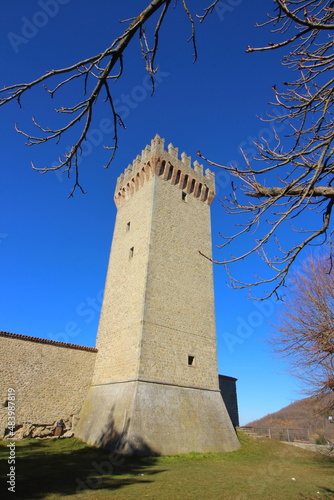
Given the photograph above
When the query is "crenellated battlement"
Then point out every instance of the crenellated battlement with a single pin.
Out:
(154, 160)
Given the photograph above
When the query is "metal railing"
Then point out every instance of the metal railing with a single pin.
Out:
(281, 433)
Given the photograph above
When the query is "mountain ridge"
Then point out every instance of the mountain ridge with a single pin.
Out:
(302, 414)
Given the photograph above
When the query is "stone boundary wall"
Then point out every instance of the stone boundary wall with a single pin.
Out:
(50, 379)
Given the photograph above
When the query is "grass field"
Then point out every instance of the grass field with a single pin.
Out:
(260, 469)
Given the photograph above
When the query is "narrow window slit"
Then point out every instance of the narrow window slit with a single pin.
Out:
(162, 168)
(170, 173)
(192, 185)
(191, 360)
(199, 190)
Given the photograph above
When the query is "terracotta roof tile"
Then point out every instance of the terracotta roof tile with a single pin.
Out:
(47, 341)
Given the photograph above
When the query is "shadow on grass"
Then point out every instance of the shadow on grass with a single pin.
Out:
(68, 466)
(322, 490)
(326, 490)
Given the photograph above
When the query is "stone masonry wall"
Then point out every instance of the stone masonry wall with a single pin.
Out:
(120, 326)
(50, 379)
(179, 309)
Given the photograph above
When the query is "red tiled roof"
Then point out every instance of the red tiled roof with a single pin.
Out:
(47, 341)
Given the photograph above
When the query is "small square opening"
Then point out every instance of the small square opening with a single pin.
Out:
(191, 360)
(131, 253)
(184, 196)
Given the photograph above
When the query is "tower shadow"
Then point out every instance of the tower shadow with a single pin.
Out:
(120, 443)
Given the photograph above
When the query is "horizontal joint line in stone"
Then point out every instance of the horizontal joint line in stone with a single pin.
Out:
(157, 383)
(177, 330)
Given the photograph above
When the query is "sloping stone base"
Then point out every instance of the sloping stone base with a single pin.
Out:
(144, 418)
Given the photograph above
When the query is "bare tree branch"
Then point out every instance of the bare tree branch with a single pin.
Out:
(271, 192)
(292, 176)
(95, 73)
(302, 161)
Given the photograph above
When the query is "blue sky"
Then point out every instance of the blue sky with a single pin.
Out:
(54, 250)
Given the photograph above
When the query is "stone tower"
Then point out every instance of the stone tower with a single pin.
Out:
(155, 385)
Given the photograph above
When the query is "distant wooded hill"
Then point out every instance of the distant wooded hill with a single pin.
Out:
(303, 414)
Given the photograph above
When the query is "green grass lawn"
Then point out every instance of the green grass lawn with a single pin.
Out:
(260, 469)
